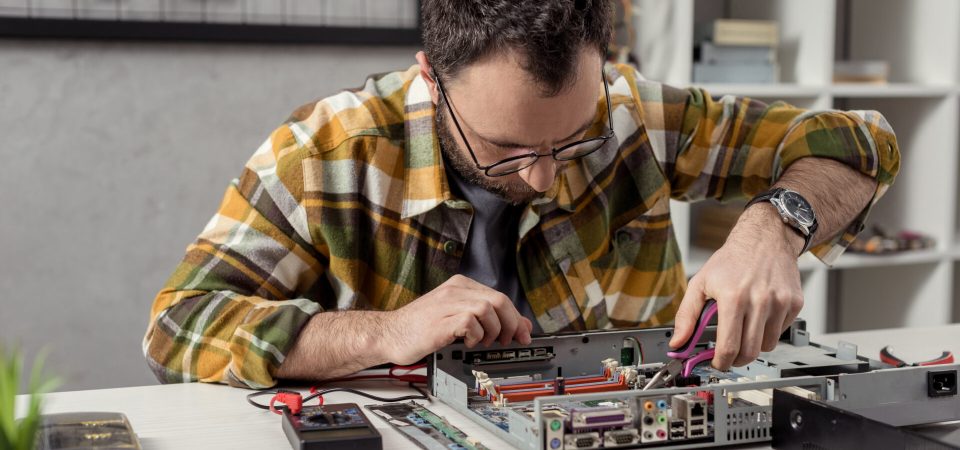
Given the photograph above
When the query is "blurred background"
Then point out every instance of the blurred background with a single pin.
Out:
(123, 121)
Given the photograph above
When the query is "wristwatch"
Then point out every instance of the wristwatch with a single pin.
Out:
(794, 210)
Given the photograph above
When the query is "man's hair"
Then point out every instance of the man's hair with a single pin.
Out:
(546, 34)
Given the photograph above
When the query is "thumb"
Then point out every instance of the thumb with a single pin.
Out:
(688, 312)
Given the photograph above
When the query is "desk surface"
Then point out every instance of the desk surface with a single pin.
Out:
(179, 416)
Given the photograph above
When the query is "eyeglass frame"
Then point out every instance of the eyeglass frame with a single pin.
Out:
(533, 154)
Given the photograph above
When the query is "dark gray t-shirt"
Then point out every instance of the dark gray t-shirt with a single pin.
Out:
(490, 256)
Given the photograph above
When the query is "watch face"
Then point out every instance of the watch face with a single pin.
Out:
(796, 206)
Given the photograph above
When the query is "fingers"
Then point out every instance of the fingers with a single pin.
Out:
(795, 306)
(467, 327)
(507, 314)
(774, 326)
(690, 308)
(730, 316)
(754, 323)
(494, 311)
(509, 317)
(528, 324)
(523, 331)
(485, 313)
(764, 320)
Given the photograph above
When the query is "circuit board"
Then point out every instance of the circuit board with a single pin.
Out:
(586, 391)
(424, 428)
(601, 422)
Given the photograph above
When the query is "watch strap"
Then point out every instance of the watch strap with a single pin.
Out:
(766, 196)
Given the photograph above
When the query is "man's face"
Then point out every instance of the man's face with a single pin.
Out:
(503, 113)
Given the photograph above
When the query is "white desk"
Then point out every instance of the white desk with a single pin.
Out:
(204, 416)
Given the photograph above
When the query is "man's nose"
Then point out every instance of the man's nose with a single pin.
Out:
(541, 174)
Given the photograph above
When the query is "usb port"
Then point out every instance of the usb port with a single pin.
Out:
(696, 422)
(539, 352)
(493, 356)
(509, 355)
(696, 432)
(524, 353)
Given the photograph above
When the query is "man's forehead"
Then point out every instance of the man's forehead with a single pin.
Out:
(499, 99)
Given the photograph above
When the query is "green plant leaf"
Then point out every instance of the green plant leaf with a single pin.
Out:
(21, 434)
(5, 441)
(9, 382)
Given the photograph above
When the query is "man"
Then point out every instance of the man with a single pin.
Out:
(509, 183)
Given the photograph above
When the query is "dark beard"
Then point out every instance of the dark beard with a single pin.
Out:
(518, 193)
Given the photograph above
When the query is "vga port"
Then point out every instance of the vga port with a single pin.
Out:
(582, 440)
(620, 437)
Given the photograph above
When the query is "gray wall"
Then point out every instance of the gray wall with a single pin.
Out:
(112, 158)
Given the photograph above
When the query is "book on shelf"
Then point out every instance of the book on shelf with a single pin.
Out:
(711, 53)
(737, 51)
(736, 73)
(737, 32)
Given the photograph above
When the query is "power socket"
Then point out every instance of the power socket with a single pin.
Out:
(941, 383)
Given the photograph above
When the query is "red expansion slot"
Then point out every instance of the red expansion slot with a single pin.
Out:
(525, 396)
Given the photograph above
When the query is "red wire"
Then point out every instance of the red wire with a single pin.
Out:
(948, 359)
(409, 368)
(272, 409)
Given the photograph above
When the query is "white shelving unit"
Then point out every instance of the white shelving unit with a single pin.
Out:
(921, 41)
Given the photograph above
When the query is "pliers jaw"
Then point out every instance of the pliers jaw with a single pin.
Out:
(665, 375)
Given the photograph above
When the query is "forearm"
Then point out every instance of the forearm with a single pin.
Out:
(837, 193)
(334, 344)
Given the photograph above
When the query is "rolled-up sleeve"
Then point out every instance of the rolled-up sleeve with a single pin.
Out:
(735, 147)
(247, 285)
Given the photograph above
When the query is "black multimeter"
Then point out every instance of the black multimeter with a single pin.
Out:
(331, 427)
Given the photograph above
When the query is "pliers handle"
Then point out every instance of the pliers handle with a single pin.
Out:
(887, 356)
(686, 357)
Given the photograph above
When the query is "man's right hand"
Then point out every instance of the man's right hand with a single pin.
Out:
(458, 308)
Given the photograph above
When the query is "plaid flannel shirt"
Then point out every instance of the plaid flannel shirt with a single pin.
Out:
(346, 206)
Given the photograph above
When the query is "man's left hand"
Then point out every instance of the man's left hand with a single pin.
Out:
(756, 283)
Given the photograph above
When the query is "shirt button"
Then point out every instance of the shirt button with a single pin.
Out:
(450, 247)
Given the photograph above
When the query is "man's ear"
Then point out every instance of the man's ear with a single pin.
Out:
(426, 71)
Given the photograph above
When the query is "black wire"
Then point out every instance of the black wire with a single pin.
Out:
(251, 396)
(422, 395)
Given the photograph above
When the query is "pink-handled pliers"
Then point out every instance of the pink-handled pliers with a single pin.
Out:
(685, 358)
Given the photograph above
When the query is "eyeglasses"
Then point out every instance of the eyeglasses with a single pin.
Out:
(517, 163)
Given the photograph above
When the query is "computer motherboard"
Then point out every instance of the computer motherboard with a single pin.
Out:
(585, 390)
